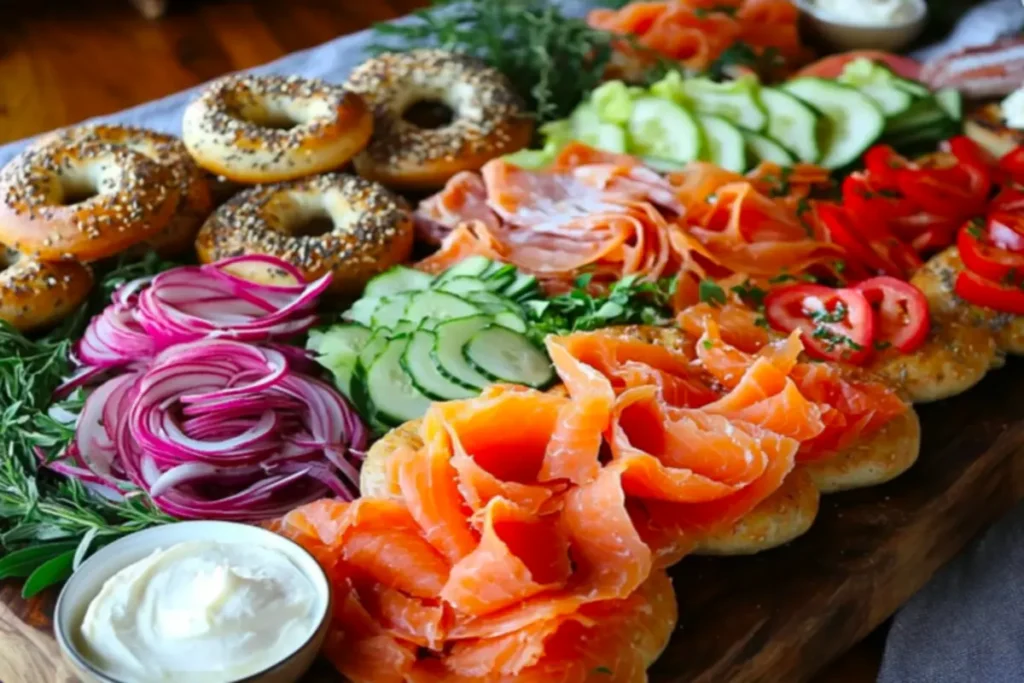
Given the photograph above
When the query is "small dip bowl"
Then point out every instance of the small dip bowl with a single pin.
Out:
(845, 35)
(85, 584)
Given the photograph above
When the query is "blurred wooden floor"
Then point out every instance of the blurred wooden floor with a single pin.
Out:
(62, 61)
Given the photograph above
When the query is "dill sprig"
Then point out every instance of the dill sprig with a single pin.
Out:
(552, 60)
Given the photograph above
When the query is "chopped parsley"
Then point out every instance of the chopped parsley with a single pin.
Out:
(711, 293)
(974, 228)
(751, 294)
(761, 321)
(702, 12)
(604, 671)
(708, 344)
(882, 345)
(787, 277)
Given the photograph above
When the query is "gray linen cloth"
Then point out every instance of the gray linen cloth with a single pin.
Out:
(967, 625)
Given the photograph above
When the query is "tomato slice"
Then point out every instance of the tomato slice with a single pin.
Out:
(1012, 164)
(988, 260)
(980, 291)
(1009, 198)
(1006, 231)
(835, 324)
(901, 313)
(858, 247)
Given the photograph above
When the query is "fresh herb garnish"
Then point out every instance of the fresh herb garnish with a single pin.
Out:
(603, 670)
(553, 61)
(750, 294)
(630, 301)
(711, 293)
(39, 508)
(703, 12)
(882, 345)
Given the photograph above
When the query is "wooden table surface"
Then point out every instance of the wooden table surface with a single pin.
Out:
(63, 61)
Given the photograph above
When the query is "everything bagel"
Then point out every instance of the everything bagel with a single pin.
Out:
(83, 201)
(488, 118)
(34, 294)
(267, 129)
(194, 202)
(369, 229)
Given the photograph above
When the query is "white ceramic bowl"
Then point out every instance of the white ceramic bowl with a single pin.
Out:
(844, 35)
(86, 583)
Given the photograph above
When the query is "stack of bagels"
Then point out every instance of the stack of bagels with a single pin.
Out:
(259, 169)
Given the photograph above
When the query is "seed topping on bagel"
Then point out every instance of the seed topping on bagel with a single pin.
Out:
(481, 98)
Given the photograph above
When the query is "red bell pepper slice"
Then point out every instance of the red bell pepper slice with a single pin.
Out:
(1012, 165)
(980, 255)
(883, 165)
(869, 244)
(835, 324)
(902, 319)
(974, 288)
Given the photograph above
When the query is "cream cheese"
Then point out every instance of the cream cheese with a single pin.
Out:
(1013, 109)
(868, 12)
(200, 611)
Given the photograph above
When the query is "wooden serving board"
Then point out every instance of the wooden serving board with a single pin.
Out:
(784, 614)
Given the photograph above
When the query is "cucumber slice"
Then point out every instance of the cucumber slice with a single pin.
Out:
(375, 345)
(394, 397)
(530, 159)
(725, 145)
(395, 280)
(735, 101)
(362, 311)
(613, 101)
(661, 129)
(463, 284)
(391, 310)
(511, 321)
(588, 127)
(492, 303)
(405, 326)
(792, 123)
(337, 349)
(522, 287)
(474, 266)
(878, 83)
(913, 87)
(433, 306)
(922, 114)
(852, 122)
(447, 355)
(763, 148)
(662, 165)
(951, 102)
(507, 356)
(418, 363)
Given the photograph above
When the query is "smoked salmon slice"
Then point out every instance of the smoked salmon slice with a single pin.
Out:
(610, 216)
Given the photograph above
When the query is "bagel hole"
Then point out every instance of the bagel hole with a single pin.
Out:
(314, 224)
(429, 114)
(78, 189)
(278, 120)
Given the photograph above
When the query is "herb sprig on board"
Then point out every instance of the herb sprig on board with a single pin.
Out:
(630, 301)
(49, 522)
(551, 59)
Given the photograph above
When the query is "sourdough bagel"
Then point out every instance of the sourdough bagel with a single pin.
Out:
(488, 117)
(268, 129)
(986, 126)
(368, 229)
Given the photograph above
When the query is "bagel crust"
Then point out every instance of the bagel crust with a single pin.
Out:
(194, 198)
(35, 295)
(268, 129)
(371, 229)
(782, 517)
(489, 119)
(872, 461)
(128, 199)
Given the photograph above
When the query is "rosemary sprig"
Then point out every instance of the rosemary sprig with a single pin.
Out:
(38, 506)
(553, 61)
